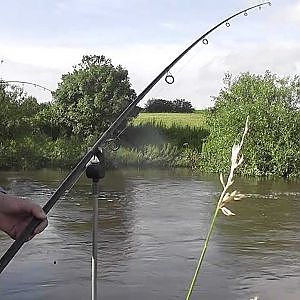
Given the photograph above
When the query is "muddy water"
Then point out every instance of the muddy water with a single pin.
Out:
(151, 229)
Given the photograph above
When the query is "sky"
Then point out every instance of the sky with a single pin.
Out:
(40, 40)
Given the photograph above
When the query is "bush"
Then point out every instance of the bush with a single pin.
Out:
(273, 146)
(24, 153)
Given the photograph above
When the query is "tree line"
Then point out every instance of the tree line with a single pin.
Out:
(90, 97)
(168, 106)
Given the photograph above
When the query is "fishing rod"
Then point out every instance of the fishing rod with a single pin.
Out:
(74, 175)
(28, 83)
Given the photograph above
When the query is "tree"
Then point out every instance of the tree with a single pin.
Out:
(161, 105)
(272, 103)
(48, 122)
(183, 106)
(158, 106)
(90, 98)
(17, 112)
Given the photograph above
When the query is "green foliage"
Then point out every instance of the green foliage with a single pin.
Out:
(90, 98)
(124, 157)
(273, 146)
(87, 100)
(24, 153)
(17, 112)
(48, 122)
(158, 106)
(34, 135)
(163, 106)
(162, 156)
(159, 145)
(159, 134)
(182, 106)
(189, 158)
(65, 152)
(196, 119)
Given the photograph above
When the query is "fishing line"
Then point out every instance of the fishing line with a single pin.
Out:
(36, 85)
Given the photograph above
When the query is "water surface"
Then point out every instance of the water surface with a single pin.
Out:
(152, 225)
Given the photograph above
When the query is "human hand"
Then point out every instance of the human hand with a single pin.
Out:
(16, 213)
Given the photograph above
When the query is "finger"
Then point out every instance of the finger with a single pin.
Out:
(38, 212)
(41, 227)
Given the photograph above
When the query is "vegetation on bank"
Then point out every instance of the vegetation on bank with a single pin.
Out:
(160, 146)
(57, 134)
(273, 144)
(87, 100)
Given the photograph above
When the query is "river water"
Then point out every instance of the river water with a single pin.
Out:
(152, 226)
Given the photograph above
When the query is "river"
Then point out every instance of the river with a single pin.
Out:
(152, 226)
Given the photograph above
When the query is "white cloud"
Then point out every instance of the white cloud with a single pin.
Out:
(61, 7)
(170, 25)
(282, 58)
(47, 57)
(292, 12)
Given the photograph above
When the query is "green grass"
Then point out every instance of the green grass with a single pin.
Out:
(193, 120)
(163, 140)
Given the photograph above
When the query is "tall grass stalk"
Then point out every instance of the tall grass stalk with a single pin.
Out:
(225, 198)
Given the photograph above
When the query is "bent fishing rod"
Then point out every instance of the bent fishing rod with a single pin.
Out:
(74, 175)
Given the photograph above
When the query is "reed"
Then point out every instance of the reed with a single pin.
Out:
(225, 198)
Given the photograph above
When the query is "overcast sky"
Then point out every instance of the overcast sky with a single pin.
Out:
(42, 39)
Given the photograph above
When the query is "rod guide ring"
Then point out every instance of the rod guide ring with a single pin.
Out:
(169, 79)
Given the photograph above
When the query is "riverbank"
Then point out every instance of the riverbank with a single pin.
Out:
(152, 140)
(199, 141)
